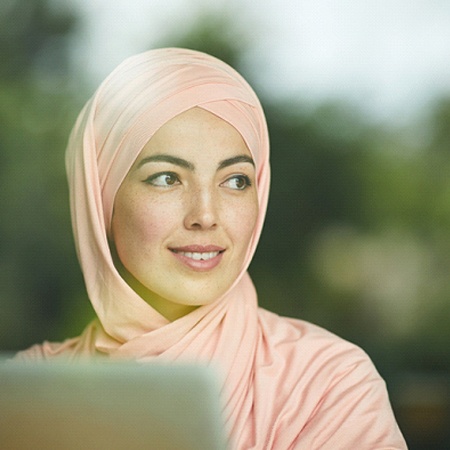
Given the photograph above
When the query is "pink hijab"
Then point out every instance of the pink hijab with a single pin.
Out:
(138, 97)
(286, 383)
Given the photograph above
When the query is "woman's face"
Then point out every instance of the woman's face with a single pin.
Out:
(184, 215)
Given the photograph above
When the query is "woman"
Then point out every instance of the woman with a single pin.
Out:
(168, 167)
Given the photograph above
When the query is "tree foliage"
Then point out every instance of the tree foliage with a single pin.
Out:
(37, 263)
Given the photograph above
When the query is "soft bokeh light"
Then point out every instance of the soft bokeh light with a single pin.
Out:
(390, 57)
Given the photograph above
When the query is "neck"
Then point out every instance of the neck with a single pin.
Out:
(170, 310)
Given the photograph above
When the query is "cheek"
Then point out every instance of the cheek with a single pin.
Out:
(244, 221)
(138, 227)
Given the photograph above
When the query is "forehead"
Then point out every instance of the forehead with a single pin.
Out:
(196, 132)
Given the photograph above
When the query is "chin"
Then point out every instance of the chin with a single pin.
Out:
(197, 301)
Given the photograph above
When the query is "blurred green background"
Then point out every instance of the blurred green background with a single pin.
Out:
(357, 237)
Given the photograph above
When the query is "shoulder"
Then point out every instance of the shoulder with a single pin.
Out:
(340, 396)
(69, 349)
(315, 357)
(309, 340)
(47, 351)
(317, 365)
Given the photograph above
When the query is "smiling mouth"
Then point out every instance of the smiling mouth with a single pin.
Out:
(198, 256)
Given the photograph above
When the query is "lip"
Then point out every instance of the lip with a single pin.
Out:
(196, 248)
(189, 256)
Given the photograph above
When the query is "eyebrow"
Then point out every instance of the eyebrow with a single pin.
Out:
(188, 165)
(169, 159)
(235, 160)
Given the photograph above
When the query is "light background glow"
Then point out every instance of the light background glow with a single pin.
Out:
(390, 57)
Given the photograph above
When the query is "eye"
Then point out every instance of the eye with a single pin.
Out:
(237, 182)
(165, 179)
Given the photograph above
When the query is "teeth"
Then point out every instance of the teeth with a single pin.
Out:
(200, 256)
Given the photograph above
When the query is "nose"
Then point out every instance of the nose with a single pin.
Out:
(202, 210)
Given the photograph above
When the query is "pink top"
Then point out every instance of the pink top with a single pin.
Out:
(287, 384)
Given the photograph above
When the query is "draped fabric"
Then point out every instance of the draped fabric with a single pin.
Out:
(285, 383)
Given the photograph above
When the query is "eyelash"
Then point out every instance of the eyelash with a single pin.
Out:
(244, 178)
(152, 180)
